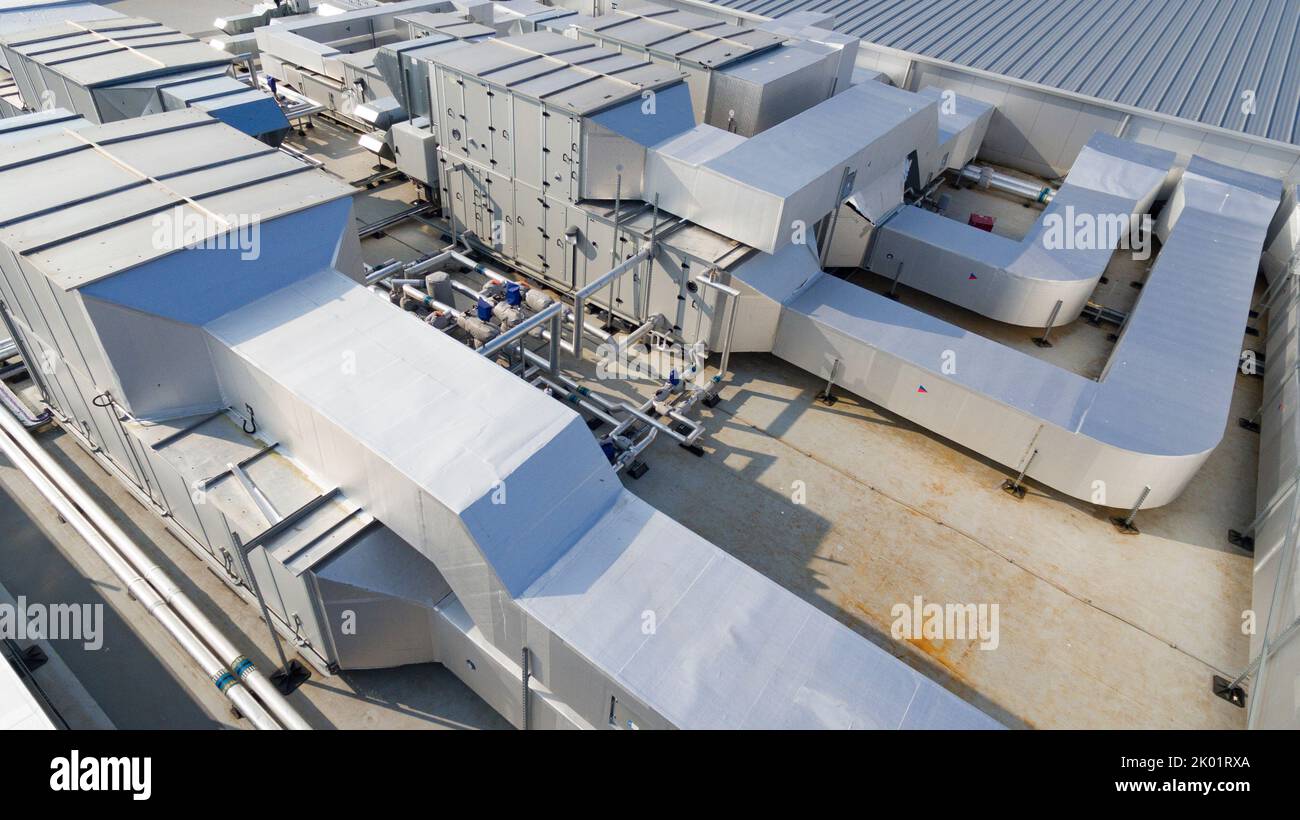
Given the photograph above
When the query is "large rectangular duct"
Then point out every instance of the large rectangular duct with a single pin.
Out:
(1059, 261)
(772, 189)
(1141, 431)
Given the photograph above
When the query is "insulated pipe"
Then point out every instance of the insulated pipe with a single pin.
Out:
(383, 272)
(1008, 184)
(430, 263)
(731, 318)
(520, 330)
(638, 414)
(171, 594)
(580, 298)
(51, 487)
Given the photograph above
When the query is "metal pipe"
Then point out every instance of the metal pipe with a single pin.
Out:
(580, 298)
(53, 487)
(635, 336)
(526, 673)
(554, 342)
(573, 397)
(638, 414)
(733, 307)
(988, 178)
(242, 667)
(383, 272)
(520, 330)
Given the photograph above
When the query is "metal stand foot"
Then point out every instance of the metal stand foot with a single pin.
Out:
(1125, 525)
(1016, 488)
(826, 397)
(288, 679)
(637, 469)
(1241, 540)
(1223, 688)
(694, 449)
(1045, 339)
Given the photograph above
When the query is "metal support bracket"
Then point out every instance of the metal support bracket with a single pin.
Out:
(1224, 688)
(287, 679)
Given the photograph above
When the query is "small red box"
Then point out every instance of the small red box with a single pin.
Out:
(984, 223)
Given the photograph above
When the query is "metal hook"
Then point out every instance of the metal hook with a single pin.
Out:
(252, 419)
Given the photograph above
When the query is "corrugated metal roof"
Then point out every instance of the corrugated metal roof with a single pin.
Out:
(1193, 59)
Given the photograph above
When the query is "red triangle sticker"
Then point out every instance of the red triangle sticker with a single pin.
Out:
(972, 276)
(921, 389)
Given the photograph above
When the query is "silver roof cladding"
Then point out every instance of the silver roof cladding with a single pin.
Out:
(116, 178)
(105, 52)
(549, 67)
(21, 15)
(675, 34)
(1192, 59)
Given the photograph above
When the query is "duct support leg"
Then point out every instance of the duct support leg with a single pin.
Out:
(1045, 339)
(826, 397)
(1125, 525)
(1016, 488)
(527, 673)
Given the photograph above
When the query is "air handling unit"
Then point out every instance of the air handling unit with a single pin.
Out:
(742, 79)
(109, 70)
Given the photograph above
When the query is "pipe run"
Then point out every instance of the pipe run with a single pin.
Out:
(551, 312)
(16, 444)
(121, 552)
(986, 177)
(607, 278)
(731, 319)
